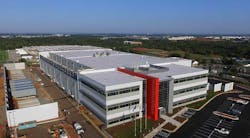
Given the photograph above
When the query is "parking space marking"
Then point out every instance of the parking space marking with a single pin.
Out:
(217, 136)
(196, 136)
(201, 134)
(211, 122)
(207, 129)
(203, 131)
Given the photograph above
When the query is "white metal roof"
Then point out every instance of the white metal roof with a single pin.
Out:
(174, 70)
(59, 48)
(114, 59)
(80, 54)
(110, 78)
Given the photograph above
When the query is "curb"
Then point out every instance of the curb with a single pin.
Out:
(212, 99)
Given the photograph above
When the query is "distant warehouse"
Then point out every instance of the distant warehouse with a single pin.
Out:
(23, 104)
(118, 86)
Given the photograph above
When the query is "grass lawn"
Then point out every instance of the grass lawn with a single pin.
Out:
(127, 130)
(197, 105)
(3, 56)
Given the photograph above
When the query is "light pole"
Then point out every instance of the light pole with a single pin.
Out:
(135, 118)
(140, 118)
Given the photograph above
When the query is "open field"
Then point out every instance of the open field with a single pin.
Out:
(3, 56)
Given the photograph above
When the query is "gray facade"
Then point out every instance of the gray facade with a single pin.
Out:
(166, 95)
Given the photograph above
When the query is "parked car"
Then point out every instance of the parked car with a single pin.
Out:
(236, 111)
(222, 131)
(62, 133)
(78, 128)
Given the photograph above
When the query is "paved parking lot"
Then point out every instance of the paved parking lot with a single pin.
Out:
(214, 122)
(207, 129)
(203, 123)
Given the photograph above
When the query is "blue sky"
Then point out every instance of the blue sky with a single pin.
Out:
(125, 16)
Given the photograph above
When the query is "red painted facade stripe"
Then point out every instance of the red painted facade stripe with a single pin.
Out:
(152, 93)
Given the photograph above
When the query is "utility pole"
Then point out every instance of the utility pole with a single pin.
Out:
(135, 124)
(135, 119)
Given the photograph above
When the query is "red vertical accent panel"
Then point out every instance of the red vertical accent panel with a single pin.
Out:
(152, 93)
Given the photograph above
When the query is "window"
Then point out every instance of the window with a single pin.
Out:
(190, 89)
(114, 121)
(190, 78)
(123, 91)
(122, 105)
(135, 89)
(113, 93)
(113, 108)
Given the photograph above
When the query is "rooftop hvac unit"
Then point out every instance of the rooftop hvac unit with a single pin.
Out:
(107, 53)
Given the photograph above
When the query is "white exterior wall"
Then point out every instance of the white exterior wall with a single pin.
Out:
(188, 84)
(36, 113)
(228, 86)
(102, 100)
(215, 87)
(126, 99)
(184, 62)
(189, 95)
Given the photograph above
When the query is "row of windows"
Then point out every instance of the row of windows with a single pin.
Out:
(123, 105)
(189, 99)
(123, 118)
(190, 89)
(122, 91)
(190, 78)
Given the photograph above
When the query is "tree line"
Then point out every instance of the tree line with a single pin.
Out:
(222, 48)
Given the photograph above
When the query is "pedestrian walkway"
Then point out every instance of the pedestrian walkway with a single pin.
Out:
(171, 120)
(167, 120)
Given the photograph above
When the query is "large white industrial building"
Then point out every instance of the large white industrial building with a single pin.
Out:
(118, 86)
